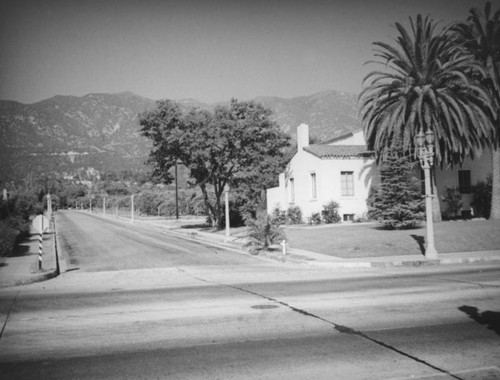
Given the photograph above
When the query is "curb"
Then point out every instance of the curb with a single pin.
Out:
(37, 278)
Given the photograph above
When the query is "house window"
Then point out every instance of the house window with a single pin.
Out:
(464, 182)
(348, 217)
(313, 185)
(292, 190)
(347, 184)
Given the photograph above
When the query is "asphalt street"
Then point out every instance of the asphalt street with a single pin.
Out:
(92, 243)
(185, 311)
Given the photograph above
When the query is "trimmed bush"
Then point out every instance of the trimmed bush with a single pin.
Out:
(315, 218)
(454, 201)
(330, 213)
(278, 215)
(294, 215)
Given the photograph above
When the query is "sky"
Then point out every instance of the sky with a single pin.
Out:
(209, 50)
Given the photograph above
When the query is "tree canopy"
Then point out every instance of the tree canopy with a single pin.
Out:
(426, 84)
(480, 35)
(236, 145)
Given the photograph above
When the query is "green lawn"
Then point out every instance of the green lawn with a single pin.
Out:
(365, 240)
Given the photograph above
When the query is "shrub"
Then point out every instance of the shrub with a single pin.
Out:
(363, 218)
(8, 237)
(330, 212)
(481, 198)
(278, 215)
(294, 215)
(454, 201)
(263, 232)
(315, 218)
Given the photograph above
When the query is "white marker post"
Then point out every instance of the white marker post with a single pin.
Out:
(283, 247)
(104, 206)
(40, 224)
(132, 209)
(228, 232)
(49, 207)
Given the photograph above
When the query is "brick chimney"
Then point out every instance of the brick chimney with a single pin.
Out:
(302, 136)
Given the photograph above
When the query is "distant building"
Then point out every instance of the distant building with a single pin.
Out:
(343, 170)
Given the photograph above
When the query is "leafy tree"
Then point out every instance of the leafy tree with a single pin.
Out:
(397, 201)
(234, 145)
(115, 188)
(480, 34)
(425, 86)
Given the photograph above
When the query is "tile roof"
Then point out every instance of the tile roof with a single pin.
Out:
(332, 151)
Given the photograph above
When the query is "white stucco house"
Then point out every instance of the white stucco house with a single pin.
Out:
(343, 170)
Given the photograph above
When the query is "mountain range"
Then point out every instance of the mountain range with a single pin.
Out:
(67, 134)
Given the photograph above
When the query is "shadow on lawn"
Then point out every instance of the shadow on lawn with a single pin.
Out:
(203, 226)
(420, 241)
(491, 319)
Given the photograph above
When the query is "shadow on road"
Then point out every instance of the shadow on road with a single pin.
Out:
(490, 319)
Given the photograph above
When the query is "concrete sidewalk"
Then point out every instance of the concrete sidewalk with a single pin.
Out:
(22, 266)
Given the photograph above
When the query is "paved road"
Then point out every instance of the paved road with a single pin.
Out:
(254, 321)
(96, 244)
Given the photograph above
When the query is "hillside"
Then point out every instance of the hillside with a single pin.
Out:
(67, 133)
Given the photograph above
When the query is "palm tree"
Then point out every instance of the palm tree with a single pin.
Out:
(424, 86)
(480, 34)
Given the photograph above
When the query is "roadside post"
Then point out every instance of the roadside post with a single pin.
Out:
(226, 194)
(283, 247)
(104, 206)
(40, 225)
(49, 207)
(132, 209)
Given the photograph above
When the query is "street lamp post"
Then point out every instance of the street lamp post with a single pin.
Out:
(425, 144)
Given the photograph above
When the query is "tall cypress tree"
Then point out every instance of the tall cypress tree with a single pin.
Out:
(397, 202)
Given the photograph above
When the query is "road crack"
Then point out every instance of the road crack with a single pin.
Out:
(482, 286)
(8, 313)
(338, 327)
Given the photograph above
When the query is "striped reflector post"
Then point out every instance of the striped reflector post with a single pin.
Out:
(40, 249)
(40, 224)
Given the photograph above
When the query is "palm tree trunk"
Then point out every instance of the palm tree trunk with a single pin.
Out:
(436, 205)
(495, 190)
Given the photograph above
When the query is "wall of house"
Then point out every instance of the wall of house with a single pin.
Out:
(328, 184)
